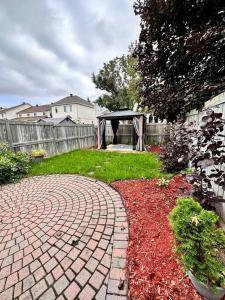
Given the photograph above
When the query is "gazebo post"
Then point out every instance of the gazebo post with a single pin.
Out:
(133, 137)
(99, 137)
(141, 126)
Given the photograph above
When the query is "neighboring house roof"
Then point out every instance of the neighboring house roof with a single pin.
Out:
(123, 114)
(73, 99)
(13, 107)
(57, 121)
(103, 112)
(36, 108)
(29, 119)
(2, 109)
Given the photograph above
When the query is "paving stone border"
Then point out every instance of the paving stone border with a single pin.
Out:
(62, 237)
(118, 282)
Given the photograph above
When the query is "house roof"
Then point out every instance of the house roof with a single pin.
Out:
(57, 121)
(121, 114)
(36, 108)
(29, 119)
(73, 99)
(13, 107)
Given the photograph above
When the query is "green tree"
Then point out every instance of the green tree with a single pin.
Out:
(120, 82)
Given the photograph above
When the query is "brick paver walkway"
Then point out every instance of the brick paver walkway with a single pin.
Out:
(62, 237)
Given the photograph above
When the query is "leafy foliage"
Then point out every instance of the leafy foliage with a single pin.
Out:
(38, 152)
(208, 158)
(120, 81)
(181, 53)
(163, 182)
(175, 155)
(12, 165)
(198, 241)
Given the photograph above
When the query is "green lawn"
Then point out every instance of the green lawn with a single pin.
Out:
(105, 166)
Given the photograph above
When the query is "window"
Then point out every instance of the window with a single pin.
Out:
(67, 108)
(150, 120)
(44, 113)
(35, 114)
(28, 115)
(19, 116)
(56, 110)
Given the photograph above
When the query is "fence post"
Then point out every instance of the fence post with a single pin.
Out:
(78, 136)
(54, 139)
(94, 133)
(141, 123)
(9, 134)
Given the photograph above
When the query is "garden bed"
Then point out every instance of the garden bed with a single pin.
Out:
(154, 271)
(154, 149)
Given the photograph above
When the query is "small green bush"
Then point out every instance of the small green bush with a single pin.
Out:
(199, 241)
(38, 152)
(163, 182)
(12, 165)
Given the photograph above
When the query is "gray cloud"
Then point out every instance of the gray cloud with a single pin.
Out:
(50, 48)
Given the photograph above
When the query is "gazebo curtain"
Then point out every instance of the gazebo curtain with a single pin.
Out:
(102, 125)
(137, 129)
(134, 138)
(138, 137)
(115, 126)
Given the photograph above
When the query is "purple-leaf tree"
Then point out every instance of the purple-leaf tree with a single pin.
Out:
(208, 159)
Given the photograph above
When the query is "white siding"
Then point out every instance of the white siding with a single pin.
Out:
(12, 113)
(78, 113)
(38, 114)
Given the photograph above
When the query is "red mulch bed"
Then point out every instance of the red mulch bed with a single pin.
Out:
(154, 149)
(154, 271)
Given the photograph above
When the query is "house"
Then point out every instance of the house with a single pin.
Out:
(99, 110)
(29, 119)
(11, 112)
(35, 113)
(151, 119)
(78, 109)
(1, 110)
(58, 121)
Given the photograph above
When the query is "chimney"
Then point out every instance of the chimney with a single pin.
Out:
(71, 95)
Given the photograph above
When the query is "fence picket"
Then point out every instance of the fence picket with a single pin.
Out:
(21, 136)
(218, 105)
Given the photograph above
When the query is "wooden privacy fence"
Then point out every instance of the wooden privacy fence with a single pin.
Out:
(23, 136)
(54, 139)
(218, 105)
(155, 134)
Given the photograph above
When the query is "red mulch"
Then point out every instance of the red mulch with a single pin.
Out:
(154, 271)
(154, 149)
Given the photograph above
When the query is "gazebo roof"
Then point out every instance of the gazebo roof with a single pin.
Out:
(121, 114)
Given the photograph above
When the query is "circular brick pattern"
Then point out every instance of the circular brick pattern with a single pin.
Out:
(62, 237)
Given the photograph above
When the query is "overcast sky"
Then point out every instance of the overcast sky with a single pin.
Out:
(49, 48)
